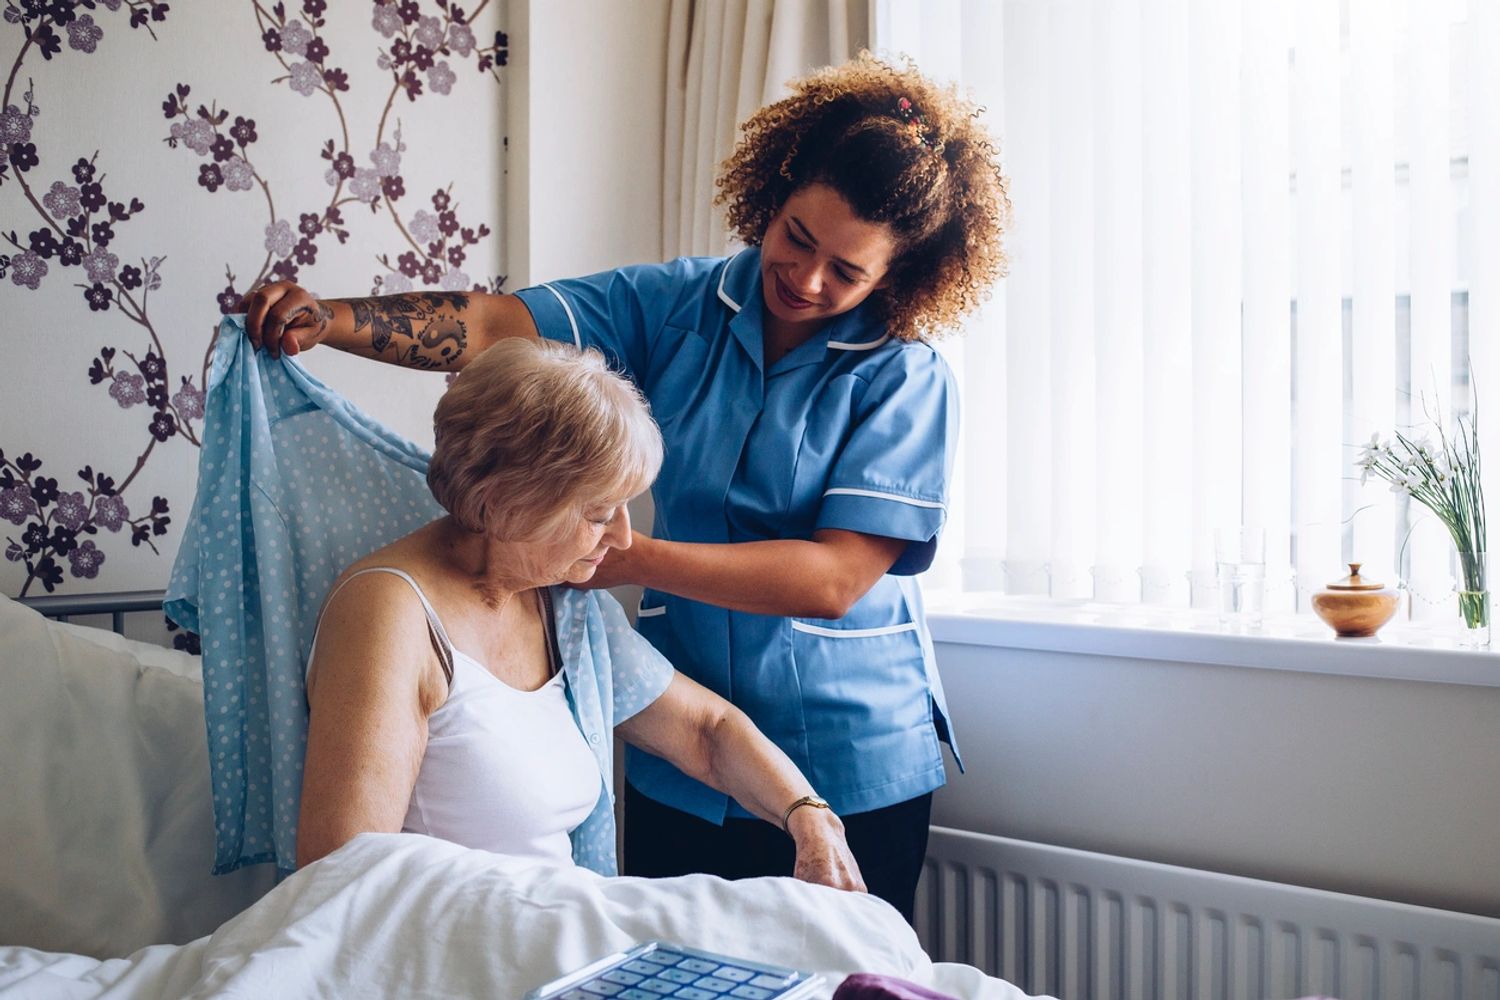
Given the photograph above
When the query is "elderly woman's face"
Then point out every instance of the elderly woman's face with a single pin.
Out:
(573, 550)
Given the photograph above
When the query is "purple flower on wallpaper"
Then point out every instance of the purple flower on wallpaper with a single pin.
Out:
(305, 78)
(23, 156)
(128, 389)
(16, 504)
(62, 201)
(15, 125)
(461, 39)
(98, 297)
(163, 426)
(294, 38)
(130, 278)
(386, 159)
(195, 133)
(424, 227)
(366, 184)
(111, 4)
(238, 176)
(188, 400)
(70, 252)
(429, 33)
(86, 560)
(71, 511)
(91, 194)
(279, 238)
(100, 265)
(153, 367)
(395, 283)
(441, 78)
(26, 268)
(84, 34)
(42, 243)
(455, 281)
(110, 512)
(243, 130)
(386, 20)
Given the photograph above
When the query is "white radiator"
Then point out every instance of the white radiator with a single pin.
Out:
(1085, 926)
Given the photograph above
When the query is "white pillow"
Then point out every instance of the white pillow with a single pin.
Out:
(106, 822)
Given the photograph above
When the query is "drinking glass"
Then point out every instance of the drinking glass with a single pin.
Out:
(1241, 557)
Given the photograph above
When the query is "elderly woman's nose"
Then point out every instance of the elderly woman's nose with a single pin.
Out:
(617, 532)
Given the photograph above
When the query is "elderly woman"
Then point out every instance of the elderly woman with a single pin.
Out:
(441, 701)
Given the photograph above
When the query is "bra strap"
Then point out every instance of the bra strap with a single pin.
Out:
(439, 636)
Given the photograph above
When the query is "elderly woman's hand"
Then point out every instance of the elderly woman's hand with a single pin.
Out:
(823, 855)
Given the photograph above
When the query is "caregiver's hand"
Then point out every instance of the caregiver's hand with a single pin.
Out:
(286, 318)
(823, 855)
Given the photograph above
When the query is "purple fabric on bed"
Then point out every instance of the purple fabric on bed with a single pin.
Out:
(865, 986)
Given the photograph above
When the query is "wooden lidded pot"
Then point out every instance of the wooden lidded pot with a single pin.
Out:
(1354, 606)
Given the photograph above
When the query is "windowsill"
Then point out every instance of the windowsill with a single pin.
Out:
(1402, 651)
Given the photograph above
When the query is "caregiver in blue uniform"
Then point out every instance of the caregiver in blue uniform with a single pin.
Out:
(810, 430)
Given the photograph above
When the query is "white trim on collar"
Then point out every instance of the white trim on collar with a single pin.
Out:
(839, 345)
(577, 340)
(723, 275)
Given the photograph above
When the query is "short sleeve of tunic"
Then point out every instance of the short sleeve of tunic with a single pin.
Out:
(891, 477)
(640, 674)
(619, 312)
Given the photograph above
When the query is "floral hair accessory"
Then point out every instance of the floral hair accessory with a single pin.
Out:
(914, 118)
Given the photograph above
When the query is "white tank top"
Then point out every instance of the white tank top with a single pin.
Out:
(505, 770)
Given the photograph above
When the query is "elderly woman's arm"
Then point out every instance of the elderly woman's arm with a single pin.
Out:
(709, 739)
(370, 690)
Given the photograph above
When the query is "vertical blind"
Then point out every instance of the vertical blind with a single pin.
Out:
(1248, 235)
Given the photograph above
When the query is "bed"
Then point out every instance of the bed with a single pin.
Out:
(107, 830)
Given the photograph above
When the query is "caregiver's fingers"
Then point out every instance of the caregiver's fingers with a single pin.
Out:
(284, 318)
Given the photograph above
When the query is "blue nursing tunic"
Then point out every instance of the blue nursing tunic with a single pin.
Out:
(852, 429)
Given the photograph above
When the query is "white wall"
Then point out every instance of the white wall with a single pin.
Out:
(1375, 787)
(586, 124)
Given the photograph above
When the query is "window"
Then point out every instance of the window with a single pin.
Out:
(1247, 236)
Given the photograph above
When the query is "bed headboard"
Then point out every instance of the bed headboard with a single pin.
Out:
(65, 607)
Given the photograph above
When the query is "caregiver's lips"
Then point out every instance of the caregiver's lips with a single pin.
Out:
(787, 298)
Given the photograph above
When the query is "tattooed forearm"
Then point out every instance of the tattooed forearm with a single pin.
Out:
(422, 330)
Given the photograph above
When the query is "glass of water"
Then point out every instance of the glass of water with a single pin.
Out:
(1241, 557)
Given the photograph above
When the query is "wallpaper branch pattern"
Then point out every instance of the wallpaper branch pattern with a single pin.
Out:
(75, 219)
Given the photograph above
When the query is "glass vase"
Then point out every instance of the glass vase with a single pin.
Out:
(1471, 581)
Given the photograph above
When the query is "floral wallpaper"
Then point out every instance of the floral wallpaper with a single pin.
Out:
(158, 161)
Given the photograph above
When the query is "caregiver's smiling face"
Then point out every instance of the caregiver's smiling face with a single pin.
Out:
(819, 259)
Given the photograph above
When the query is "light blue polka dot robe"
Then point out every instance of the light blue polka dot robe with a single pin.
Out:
(294, 484)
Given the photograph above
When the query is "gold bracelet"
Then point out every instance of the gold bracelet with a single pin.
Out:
(806, 800)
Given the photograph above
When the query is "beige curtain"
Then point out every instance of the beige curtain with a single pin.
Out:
(726, 58)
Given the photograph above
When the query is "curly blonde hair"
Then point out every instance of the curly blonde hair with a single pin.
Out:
(901, 151)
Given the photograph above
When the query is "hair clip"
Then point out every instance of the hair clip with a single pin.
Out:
(908, 113)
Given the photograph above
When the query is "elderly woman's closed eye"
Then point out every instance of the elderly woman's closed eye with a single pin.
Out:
(441, 700)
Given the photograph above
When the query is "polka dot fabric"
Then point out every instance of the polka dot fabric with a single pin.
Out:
(294, 484)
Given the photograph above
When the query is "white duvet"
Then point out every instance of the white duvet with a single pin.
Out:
(400, 915)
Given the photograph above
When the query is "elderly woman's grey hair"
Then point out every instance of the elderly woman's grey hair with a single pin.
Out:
(533, 430)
